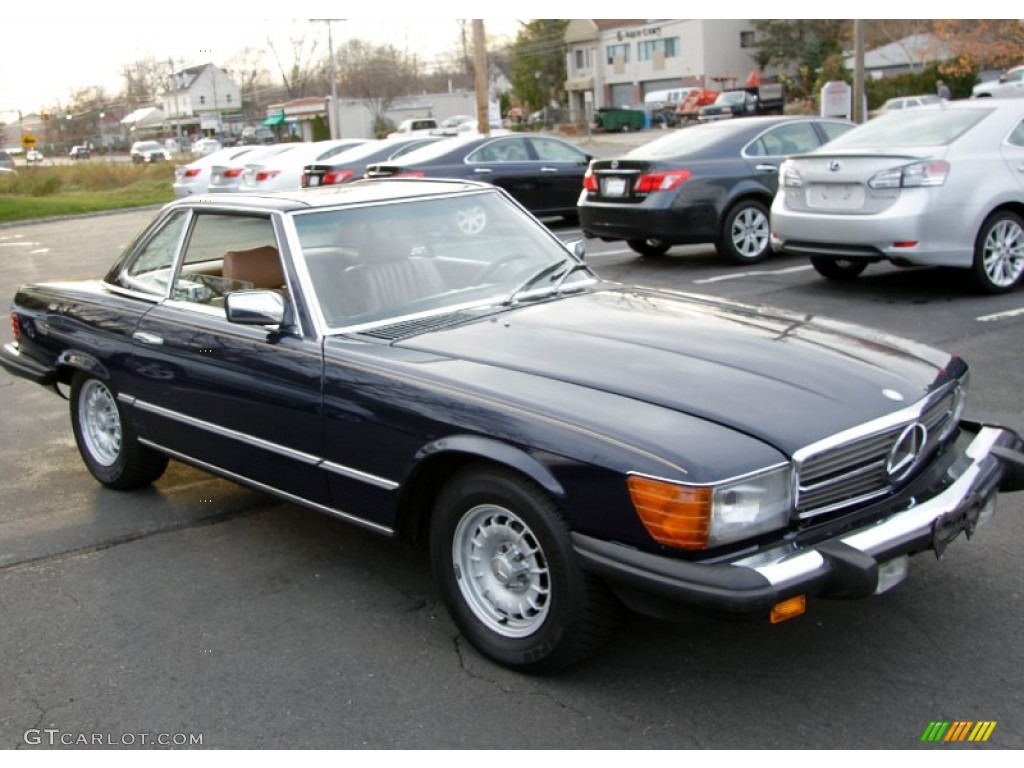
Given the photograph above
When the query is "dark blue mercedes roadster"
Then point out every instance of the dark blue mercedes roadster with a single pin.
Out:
(425, 359)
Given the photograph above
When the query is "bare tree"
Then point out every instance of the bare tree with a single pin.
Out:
(376, 75)
(306, 65)
(144, 81)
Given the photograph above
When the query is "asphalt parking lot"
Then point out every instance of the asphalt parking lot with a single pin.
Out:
(202, 609)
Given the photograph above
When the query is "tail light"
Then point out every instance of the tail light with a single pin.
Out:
(928, 173)
(15, 328)
(190, 172)
(337, 177)
(589, 180)
(661, 181)
(233, 173)
(266, 175)
(411, 174)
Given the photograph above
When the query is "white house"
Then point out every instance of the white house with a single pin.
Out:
(201, 99)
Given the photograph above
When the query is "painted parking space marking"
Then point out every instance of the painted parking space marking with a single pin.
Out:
(755, 273)
(1001, 315)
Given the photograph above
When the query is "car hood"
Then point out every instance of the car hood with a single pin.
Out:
(788, 379)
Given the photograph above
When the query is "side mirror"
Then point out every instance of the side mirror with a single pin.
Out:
(257, 308)
(578, 248)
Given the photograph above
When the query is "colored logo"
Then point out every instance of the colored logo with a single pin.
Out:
(959, 730)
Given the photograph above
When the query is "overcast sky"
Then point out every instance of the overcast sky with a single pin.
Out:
(43, 61)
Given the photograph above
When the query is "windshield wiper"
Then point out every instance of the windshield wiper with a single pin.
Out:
(541, 273)
(574, 268)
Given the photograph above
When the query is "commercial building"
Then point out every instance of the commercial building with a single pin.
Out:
(615, 62)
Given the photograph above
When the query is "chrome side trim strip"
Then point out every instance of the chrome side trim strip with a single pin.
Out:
(291, 453)
(266, 445)
(377, 527)
(356, 474)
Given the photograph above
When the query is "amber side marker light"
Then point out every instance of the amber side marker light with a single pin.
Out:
(674, 515)
(788, 609)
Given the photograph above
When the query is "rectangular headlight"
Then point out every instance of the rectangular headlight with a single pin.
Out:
(700, 517)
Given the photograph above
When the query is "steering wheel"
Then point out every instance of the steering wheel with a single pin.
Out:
(488, 273)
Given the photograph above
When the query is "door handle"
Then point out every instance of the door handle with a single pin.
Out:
(766, 167)
(545, 169)
(481, 170)
(147, 338)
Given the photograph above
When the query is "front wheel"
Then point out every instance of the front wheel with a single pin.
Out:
(506, 569)
(838, 269)
(746, 234)
(106, 439)
(999, 253)
(649, 246)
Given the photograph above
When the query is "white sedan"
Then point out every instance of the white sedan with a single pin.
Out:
(194, 178)
(283, 170)
(935, 185)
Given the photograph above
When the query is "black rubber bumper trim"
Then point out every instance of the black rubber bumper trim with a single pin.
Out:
(721, 588)
(17, 364)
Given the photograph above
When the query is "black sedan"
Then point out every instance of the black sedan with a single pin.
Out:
(543, 173)
(711, 183)
(562, 445)
(352, 164)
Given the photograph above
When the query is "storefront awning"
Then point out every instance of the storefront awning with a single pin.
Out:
(275, 119)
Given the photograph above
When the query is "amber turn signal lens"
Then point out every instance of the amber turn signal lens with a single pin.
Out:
(788, 609)
(674, 515)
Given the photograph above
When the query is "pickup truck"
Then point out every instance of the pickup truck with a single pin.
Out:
(415, 126)
(765, 99)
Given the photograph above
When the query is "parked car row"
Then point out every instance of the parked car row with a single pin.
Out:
(937, 185)
(543, 173)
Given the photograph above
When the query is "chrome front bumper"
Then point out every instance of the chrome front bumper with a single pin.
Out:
(856, 563)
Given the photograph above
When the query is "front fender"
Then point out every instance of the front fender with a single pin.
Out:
(82, 361)
(496, 451)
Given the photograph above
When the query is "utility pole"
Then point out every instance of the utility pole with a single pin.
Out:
(483, 121)
(858, 71)
(332, 113)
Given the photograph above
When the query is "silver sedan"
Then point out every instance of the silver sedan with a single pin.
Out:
(938, 185)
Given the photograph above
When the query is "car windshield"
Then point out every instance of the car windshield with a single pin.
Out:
(374, 265)
(922, 127)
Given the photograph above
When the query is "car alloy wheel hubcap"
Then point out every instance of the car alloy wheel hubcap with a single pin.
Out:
(750, 232)
(501, 571)
(1004, 253)
(100, 422)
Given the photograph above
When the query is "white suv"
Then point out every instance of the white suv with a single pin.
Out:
(1009, 85)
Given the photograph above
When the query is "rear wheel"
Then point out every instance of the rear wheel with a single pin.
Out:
(838, 269)
(746, 234)
(506, 569)
(106, 439)
(649, 246)
(999, 253)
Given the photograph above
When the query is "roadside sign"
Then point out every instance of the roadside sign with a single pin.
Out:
(28, 141)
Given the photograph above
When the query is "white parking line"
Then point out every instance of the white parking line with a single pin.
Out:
(1000, 315)
(740, 275)
(20, 245)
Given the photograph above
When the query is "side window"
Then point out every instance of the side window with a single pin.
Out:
(790, 139)
(834, 130)
(557, 152)
(153, 265)
(1017, 137)
(227, 253)
(511, 150)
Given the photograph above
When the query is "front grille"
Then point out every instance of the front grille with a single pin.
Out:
(838, 475)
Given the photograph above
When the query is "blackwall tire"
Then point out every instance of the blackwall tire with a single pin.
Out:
(502, 557)
(106, 439)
